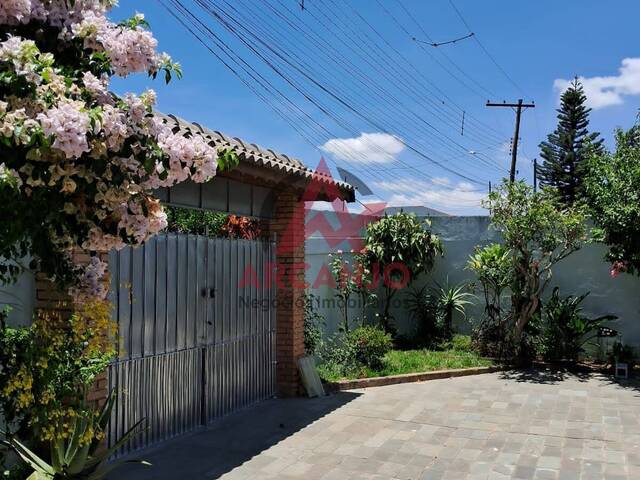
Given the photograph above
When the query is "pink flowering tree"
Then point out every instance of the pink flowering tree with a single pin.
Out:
(78, 168)
(613, 195)
(78, 164)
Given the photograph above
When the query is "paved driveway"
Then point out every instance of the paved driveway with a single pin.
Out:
(511, 425)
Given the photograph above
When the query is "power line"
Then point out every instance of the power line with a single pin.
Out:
(410, 68)
(448, 42)
(229, 23)
(364, 49)
(432, 43)
(388, 99)
(225, 48)
(487, 53)
(286, 105)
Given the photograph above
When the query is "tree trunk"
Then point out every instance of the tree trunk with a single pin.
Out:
(387, 304)
(448, 322)
(526, 313)
(346, 315)
(525, 298)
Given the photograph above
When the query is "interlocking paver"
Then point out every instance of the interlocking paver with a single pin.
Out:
(514, 425)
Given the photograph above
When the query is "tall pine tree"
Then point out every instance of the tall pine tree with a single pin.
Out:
(566, 150)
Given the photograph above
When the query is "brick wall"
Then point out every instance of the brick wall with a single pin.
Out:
(50, 297)
(288, 225)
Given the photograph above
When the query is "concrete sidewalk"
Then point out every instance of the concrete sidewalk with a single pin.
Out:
(522, 425)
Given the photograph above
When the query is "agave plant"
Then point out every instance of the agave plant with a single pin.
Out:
(70, 458)
(452, 299)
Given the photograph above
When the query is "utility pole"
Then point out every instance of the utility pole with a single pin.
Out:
(514, 151)
(535, 174)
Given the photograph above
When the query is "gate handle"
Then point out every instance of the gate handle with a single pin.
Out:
(211, 292)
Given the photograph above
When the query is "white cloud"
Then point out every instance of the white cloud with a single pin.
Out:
(443, 181)
(438, 193)
(607, 91)
(367, 148)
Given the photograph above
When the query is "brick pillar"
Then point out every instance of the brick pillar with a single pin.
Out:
(288, 225)
(50, 297)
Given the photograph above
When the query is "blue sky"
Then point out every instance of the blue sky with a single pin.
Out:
(409, 96)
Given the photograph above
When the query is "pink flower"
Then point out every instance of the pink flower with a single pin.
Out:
(618, 267)
(130, 50)
(13, 12)
(69, 126)
(114, 126)
(96, 86)
(91, 283)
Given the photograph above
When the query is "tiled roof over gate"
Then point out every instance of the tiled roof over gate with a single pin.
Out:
(250, 152)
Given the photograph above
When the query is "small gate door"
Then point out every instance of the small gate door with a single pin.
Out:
(196, 333)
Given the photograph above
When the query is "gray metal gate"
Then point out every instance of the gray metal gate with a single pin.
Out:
(197, 333)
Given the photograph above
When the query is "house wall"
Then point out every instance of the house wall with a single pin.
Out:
(584, 271)
(20, 298)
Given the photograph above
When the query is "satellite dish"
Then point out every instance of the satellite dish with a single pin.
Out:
(354, 181)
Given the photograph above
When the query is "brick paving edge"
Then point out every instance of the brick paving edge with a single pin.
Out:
(409, 378)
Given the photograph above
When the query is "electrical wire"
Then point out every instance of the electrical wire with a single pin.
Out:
(430, 53)
(401, 60)
(242, 33)
(390, 101)
(233, 70)
(484, 49)
(266, 100)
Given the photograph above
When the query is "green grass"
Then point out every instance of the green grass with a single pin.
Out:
(397, 362)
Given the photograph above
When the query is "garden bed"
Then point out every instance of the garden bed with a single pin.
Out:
(402, 362)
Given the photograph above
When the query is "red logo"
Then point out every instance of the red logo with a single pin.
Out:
(317, 225)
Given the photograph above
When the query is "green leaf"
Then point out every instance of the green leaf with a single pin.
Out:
(33, 460)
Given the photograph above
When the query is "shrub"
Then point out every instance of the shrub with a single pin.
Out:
(461, 343)
(612, 192)
(564, 329)
(241, 227)
(368, 346)
(313, 323)
(492, 267)
(195, 222)
(78, 455)
(450, 300)
(79, 163)
(336, 355)
(491, 339)
(433, 309)
(48, 367)
(344, 354)
(400, 239)
(623, 354)
(423, 308)
(345, 286)
(211, 224)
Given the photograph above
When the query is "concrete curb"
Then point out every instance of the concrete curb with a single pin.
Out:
(408, 378)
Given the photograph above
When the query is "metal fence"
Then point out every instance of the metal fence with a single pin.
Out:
(196, 323)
